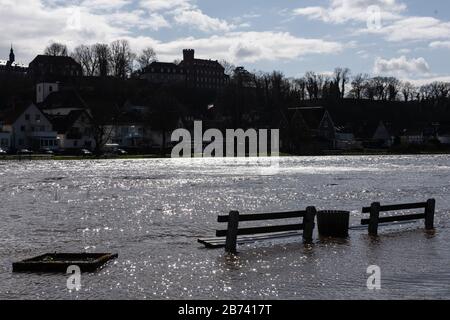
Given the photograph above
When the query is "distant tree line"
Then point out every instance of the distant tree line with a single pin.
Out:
(116, 59)
(250, 99)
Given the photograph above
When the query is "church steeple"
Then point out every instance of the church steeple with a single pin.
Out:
(12, 57)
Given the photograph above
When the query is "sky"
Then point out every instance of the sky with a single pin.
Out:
(406, 39)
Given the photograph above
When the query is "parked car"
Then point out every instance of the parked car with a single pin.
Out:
(24, 152)
(3, 152)
(47, 151)
(85, 152)
(121, 152)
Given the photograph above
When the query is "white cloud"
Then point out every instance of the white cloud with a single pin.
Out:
(104, 4)
(404, 51)
(197, 19)
(239, 47)
(415, 28)
(164, 5)
(440, 45)
(341, 11)
(138, 19)
(31, 25)
(186, 13)
(395, 25)
(427, 80)
(401, 66)
(41, 23)
(363, 54)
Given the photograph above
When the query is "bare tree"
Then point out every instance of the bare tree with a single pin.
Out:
(301, 87)
(341, 77)
(228, 66)
(102, 54)
(345, 78)
(393, 86)
(358, 84)
(425, 92)
(147, 57)
(86, 57)
(122, 59)
(56, 49)
(408, 91)
(440, 90)
(312, 85)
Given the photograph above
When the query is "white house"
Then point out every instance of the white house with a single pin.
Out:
(74, 130)
(28, 128)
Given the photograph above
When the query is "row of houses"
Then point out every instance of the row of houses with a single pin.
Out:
(27, 126)
(61, 120)
(57, 123)
(314, 126)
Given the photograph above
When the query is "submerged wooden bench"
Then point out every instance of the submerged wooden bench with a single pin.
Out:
(376, 208)
(229, 238)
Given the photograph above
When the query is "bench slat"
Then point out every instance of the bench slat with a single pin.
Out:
(220, 242)
(396, 218)
(265, 216)
(395, 207)
(258, 230)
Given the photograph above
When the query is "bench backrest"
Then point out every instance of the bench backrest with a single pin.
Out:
(376, 208)
(234, 218)
(264, 217)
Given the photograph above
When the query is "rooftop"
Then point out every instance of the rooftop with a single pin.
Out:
(54, 60)
(63, 124)
(10, 115)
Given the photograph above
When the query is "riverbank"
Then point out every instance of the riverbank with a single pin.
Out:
(38, 157)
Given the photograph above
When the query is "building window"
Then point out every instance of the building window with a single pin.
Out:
(38, 117)
(75, 143)
(27, 117)
(22, 128)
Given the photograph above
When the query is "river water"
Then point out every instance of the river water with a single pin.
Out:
(151, 212)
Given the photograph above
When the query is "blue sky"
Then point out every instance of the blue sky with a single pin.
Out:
(407, 39)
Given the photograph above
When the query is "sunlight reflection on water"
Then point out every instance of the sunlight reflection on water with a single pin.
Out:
(151, 212)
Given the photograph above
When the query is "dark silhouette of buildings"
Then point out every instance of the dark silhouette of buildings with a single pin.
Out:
(200, 73)
(54, 68)
(196, 73)
(163, 72)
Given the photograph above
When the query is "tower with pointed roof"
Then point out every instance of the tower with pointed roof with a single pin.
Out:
(12, 57)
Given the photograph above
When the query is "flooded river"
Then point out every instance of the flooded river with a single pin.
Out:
(151, 212)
